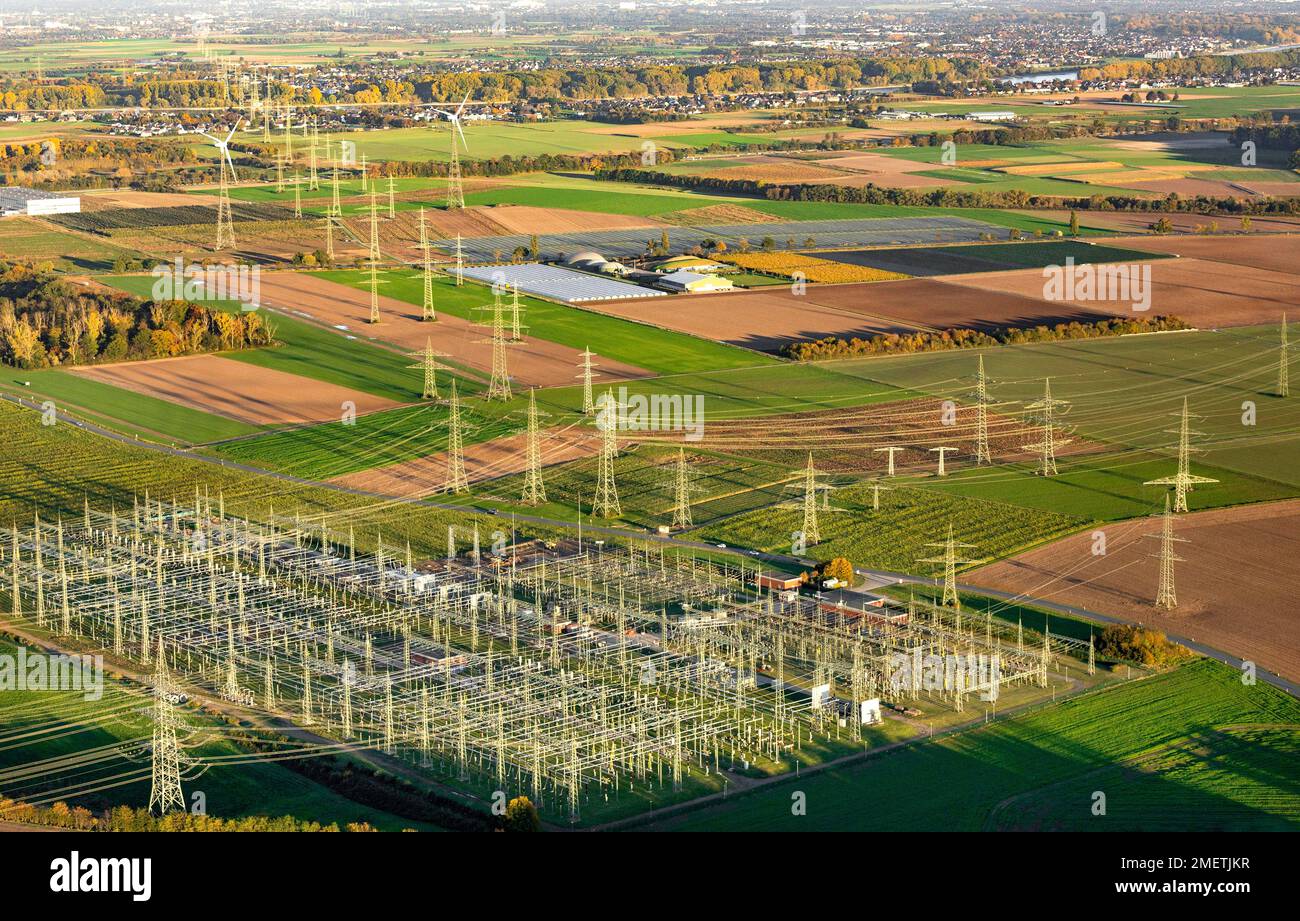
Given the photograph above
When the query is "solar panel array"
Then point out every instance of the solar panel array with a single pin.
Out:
(629, 244)
(559, 284)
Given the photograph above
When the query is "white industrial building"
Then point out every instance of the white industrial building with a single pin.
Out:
(36, 202)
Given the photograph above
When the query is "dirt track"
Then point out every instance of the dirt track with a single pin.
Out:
(259, 396)
(1235, 588)
(535, 362)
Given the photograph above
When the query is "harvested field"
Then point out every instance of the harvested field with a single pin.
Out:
(1235, 588)
(883, 170)
(529, 219)
(1276, 254)
(1205, 294)
(484, 461)
(719, 214)
(779, 169)
(761, 319)
(1140, 221)
(535, 362)
(1271, 189)
(1184, 188)
(95, 200)
(844, 439)
(234, 389)
(922, 303)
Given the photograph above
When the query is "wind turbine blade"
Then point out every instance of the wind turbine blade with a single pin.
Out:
(230, 163)
(461, 108)
(461, 132)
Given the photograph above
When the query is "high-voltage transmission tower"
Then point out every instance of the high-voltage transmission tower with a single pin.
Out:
(516, 313)
(982, 453)
(499, 386)
(392, 200)
(457, 481)
(374, 259)
(943, 455)
(682, 489)
(266, 111)
(336, 207)
(588, 404)
(950, 561)
(811, 531)
(455, 184)
(1047, 409)
(606, 503)
(1283, 362)
(313, 173)
(459, 271)
(1166, 597)
(892, 450)
(430, 365)
(1184, 479)
(165, 792)
(427, 312)
(226, 174)
(534, 488)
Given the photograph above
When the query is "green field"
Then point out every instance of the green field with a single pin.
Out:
(123, 410)
(1039, 771)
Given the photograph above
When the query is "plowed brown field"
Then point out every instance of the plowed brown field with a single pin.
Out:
(1235, 587)
(260, 396)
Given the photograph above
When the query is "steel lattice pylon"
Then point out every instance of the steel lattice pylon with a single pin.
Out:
(457, 481)
(1046, 447)
(1166, 597)
(606, 503)
(588, 404)
(165, 791)
(534, 488)
(1184, 479)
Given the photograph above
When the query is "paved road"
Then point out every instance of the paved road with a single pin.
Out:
(881, 577)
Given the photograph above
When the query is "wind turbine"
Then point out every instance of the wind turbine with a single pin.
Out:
(455, 188)
(225, 222)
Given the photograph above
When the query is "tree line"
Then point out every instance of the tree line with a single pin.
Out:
(832, 347)
(47, 322)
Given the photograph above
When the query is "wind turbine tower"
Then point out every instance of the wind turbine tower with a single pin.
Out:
(455, 185)
(225, 221)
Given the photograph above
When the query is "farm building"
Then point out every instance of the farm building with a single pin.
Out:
(588, 261)
(779, 581)
(16, 200)
(693, 282)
